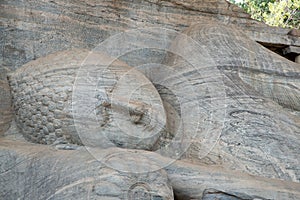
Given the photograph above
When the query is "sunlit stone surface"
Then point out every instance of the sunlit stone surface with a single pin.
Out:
(188, 106)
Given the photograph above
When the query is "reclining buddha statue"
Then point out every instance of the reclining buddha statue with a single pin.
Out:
(193, 110)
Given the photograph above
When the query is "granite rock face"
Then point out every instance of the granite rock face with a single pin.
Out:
(6, 114)
(59, 174)
(76, 174)
(189, 106)
(261, 91)
(41, 97)
(33, 29)
(44, 101)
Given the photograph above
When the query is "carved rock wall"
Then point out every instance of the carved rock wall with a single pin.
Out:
(59, 174)
(32, 29)
(251, 118)
(261, 90)
(254, 155)
(6, 113)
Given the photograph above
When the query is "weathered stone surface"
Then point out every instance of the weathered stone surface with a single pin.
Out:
(40, 83)
(59, 174)
(43, 93)
(6, 113)
(33, 29)
(253, 122)
(271, 75)
(254, 128)
(297, 59)
(232, 107)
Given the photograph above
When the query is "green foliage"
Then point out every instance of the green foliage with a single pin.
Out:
(283, 13)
